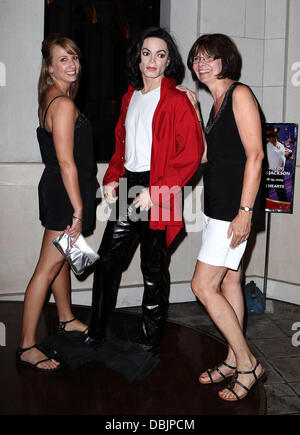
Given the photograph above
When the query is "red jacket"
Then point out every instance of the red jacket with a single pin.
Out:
(177, 147)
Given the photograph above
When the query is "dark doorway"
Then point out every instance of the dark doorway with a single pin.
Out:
(103, 29)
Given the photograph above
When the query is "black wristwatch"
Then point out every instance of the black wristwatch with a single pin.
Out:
(246, 208)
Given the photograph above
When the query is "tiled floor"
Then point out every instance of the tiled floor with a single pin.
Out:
(270, 338)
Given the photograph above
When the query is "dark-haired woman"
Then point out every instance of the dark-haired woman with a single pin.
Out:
(67, 192)
(158, 149)
(232, 176)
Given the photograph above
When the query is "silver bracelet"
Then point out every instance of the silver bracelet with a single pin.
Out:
(77, 218)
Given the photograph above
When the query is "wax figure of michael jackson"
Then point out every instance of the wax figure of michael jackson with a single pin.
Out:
(158, 148)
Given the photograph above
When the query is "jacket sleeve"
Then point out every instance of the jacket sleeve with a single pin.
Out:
(186, 152)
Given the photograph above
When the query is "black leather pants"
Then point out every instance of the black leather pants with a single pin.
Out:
(118, 240)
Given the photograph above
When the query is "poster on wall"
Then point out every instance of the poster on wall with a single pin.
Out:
(280, 148)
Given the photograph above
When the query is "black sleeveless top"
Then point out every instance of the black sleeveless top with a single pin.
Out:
(226, 158)
(54, 204)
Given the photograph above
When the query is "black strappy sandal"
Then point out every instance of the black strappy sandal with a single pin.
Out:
(21, 350)
(217, 369)
(247, 389)
(61, 326)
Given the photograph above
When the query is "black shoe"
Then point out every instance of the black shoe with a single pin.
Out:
(146, 346)
(92, 342)
(61, 327)
(21, 350)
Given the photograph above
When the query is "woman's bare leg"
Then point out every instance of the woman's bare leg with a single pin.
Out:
(206, 285)
(61, 288)
(231, 289)
(49, 264)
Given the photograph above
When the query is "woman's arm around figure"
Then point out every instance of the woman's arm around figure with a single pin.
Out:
(192, 96)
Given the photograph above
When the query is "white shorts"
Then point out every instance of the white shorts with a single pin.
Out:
(215, 248)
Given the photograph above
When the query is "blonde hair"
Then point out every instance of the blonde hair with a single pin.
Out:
(45, 78)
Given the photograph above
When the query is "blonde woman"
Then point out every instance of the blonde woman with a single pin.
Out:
(67, 192)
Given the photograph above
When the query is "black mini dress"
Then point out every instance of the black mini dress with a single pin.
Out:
(55, 208)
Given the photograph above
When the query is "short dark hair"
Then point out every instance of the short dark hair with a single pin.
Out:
(175, 69)
(219, 46)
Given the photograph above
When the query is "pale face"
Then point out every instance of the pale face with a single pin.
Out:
(207, 68)
(65, 67)
(154, 59)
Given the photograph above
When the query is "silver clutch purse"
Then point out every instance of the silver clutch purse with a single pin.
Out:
(79, 256)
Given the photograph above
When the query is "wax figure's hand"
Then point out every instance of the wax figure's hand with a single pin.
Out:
(109, 192)
(239, 228)
(192, 97)
(143, 200)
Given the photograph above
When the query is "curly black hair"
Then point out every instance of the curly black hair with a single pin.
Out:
(175, 69)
